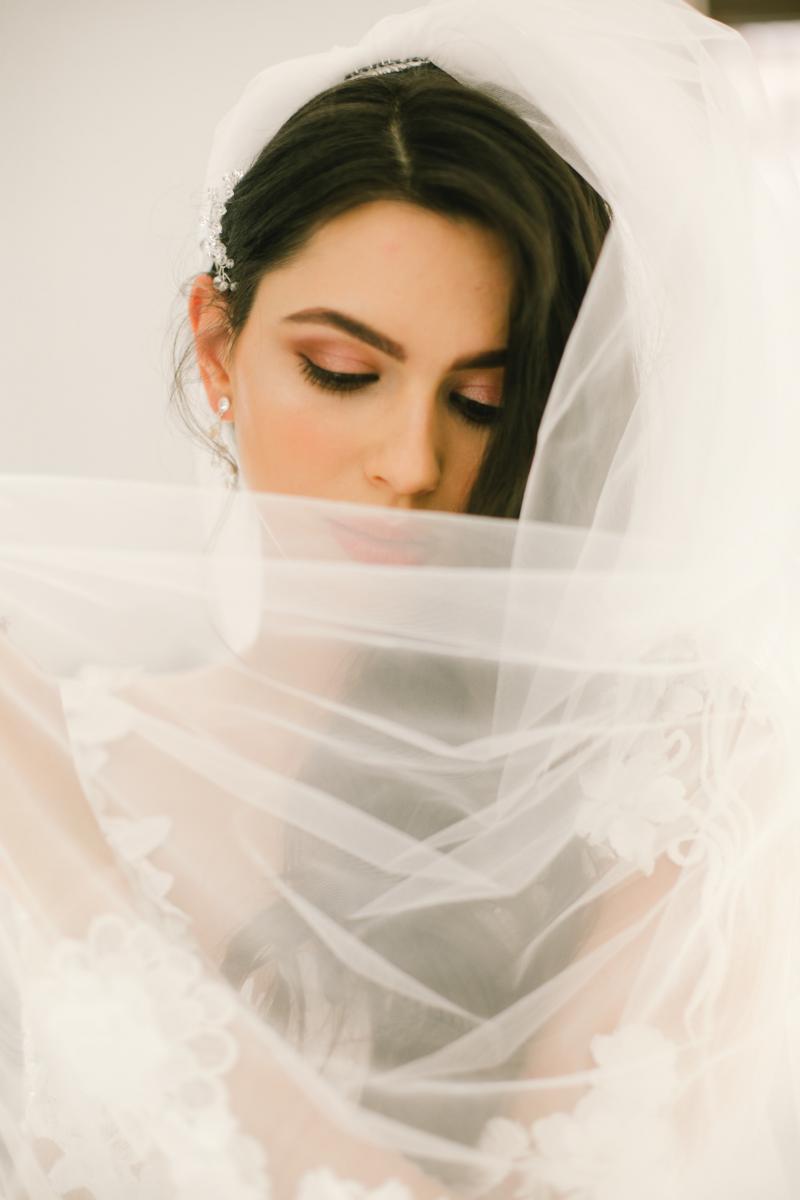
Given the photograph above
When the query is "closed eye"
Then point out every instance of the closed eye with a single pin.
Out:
(469, 410)
(334, 381)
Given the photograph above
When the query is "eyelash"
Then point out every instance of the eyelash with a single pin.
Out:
(470, 411)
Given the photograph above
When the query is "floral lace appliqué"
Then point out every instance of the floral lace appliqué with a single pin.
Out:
(639, 806)
(96, 718)
(617, 1144)
(324, 1184)
(127, 1045)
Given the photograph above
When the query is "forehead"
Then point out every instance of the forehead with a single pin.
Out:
(413, 273)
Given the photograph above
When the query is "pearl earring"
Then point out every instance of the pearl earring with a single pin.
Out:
(223, 457)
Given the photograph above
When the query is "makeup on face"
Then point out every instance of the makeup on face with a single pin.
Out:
(327, 364)
(371, 366)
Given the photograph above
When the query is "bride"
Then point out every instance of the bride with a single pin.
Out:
(409, 808)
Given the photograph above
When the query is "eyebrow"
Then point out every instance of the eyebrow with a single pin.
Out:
(357, 329)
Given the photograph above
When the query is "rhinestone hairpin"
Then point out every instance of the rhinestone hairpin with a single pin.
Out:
(211, 229)
(386, 66)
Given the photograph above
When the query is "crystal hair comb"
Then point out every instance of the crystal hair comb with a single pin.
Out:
(211, 229)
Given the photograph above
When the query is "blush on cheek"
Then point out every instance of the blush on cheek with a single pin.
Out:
(300, 452)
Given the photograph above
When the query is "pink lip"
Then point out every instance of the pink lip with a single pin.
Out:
(369, 547)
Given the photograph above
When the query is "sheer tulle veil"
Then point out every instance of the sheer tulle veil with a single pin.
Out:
(474, 874)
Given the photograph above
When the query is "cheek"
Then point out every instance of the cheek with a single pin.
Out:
(469, 467)
(468, 450)
(289, 439)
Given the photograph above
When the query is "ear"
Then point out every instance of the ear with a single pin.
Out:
(211, 339)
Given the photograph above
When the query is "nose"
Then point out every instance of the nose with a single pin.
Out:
(406, 457)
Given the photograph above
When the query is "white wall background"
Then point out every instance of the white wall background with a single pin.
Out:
(106, 114)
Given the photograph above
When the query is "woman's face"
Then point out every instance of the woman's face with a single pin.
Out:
(370, 367)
